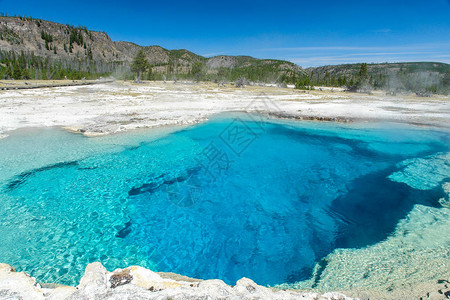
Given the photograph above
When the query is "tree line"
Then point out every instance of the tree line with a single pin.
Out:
(29, 66)
(409, 78)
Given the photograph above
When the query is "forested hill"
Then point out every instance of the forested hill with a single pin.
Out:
(413, 76)
(39, 49)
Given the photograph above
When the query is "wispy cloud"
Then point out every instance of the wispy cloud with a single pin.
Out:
(382, 30)
(410, 47)
(324, 55)
(313, 61)
(322, 61)
(390, 53)
(212, 54)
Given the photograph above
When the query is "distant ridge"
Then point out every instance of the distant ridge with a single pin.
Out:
(383, 68)
(432, 77)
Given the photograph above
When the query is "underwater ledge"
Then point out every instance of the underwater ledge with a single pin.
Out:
(139, 283)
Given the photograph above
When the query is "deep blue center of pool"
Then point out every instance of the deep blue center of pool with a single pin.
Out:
(227, 199)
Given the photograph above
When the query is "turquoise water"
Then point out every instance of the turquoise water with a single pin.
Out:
(229, 198)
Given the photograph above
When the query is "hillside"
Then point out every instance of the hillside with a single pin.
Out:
(77, 51)
(413, 76)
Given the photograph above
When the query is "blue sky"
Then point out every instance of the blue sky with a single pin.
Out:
(309, 33)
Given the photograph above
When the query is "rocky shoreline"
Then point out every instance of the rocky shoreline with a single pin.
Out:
(139, 283)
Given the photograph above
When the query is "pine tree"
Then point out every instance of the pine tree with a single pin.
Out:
(17, 71)
(139, 64)
(9, 71)
(363, 71)
(363, 81)
(80, 38)
(197, 70)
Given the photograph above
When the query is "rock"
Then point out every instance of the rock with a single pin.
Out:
(61, 292)
(139, 283)
(6, 268)
(333, 296)
(216, 288)
(94, 281)
(120, 278)
(18, 285)
(247, 286)
(150, 280)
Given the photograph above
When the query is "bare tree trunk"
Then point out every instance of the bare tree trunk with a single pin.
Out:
(137, 78)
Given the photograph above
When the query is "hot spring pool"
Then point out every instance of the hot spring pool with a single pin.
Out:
(234, 197)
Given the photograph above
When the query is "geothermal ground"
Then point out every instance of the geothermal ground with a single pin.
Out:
(113, 107)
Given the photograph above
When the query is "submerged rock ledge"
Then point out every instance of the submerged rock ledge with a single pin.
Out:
(139, 283)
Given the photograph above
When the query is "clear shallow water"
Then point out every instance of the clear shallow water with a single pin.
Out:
(225, 199)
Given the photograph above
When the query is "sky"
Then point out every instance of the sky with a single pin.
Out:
(308, 33)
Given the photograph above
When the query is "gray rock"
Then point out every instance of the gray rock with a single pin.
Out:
(18, 285)
(136, 283)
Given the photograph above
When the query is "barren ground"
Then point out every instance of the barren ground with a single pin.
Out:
(112, 107)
